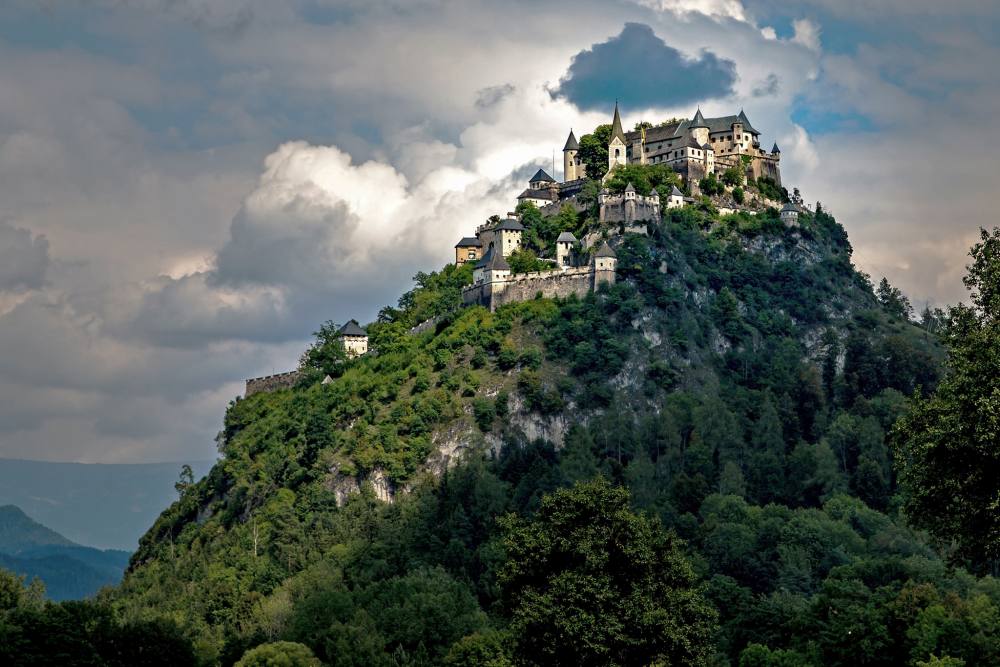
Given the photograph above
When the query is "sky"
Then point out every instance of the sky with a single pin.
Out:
(189, 188)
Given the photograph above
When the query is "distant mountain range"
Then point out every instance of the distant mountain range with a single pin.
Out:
(108, 506)
(70, 571)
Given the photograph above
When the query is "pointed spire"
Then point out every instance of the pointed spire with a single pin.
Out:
(630, 187)
(743, 118)
(698, 120)
(571, 143)
(616, 125)
(774, 148)
(674, 192)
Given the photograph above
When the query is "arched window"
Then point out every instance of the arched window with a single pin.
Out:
(617, 152)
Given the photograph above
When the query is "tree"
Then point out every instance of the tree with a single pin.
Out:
(594, 150)
(948, 445)
(327, 352)
(893, 300)
(732, 176)
(279, 654)
(587, 582)
(185, 481)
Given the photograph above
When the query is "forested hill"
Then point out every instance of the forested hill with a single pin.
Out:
(738, 381)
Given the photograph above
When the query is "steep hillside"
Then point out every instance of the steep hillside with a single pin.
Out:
(738, 379)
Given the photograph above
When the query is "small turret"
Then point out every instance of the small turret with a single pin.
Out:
(676, 198)
(571, 164)
(605, 263)
(698, 128)
(564, 248)
(630, 191)
(775, 150)
(790, 214)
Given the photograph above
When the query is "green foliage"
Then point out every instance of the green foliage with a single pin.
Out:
(327, 354)
(768, 188)
(524, 260)
(594, 150)
(707, 381)
(710, 185)
(644, 177)
(893, 300)
(947, 444)
(279, 654)
(739, 196)
(589, 583)
(733, 176)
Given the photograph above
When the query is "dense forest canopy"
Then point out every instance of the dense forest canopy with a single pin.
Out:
(690, 466)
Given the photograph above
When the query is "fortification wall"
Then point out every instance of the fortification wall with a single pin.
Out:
(271, 382)
(619, 209)
(525, 286)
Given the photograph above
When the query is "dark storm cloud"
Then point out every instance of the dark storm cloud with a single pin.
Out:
(23, 258)
(640, 69)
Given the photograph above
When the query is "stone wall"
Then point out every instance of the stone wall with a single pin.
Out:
(617, 208)
(526, 286)
(271, 382)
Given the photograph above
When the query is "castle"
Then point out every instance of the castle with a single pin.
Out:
(494, 283)
(693, 148)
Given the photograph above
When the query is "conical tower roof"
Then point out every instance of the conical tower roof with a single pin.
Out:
(498, 262)
(698, 120)
(630, 187)
(674, 192)
(605, 251)
(616, 126)
(774, 148)
(571, 143)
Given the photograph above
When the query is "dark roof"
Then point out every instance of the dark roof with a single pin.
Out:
(605, 251)
(566, 237)
(691, 143)
(541, 176)
(469, 242)
(571, 143)
(487, 256)
(705, 147)
(510, 224)
(616, 126)
(790, 207)
(497, 262)
(720, 124)
(774, 148)
(538, 193)
(630, 187)
(654, 134)
(352, 328)
(674, 192)
(698, 120)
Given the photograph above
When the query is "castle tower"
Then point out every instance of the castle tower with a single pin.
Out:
(630, 203)
(698, 128)
(354, 339)
(572, 169)
(739, 125)
(616, 145)
(790, 214)
(564, 248)
(775, 151)
(604, 265)
(676, 198)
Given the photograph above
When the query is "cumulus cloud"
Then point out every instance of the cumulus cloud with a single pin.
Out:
(24, 258)
(640, 69)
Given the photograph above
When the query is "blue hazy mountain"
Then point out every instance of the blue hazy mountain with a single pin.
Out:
(69, 570)
(107, 506)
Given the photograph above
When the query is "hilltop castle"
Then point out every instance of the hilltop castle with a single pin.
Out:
(693, 148)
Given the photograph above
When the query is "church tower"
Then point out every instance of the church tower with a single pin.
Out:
(572, 169)
(616, 145)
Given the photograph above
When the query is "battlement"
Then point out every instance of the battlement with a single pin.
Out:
(272, 382)
(548, 284)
